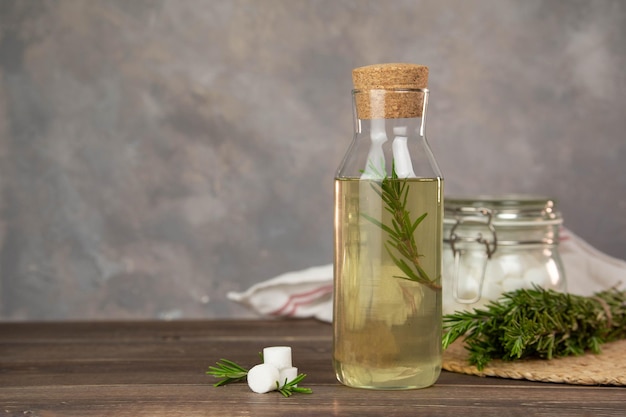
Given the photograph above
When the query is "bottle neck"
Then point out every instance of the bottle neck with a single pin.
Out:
(389, 135)
(390, 143)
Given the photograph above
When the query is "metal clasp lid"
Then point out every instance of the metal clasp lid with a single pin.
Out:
(466, 291)
(490, 246)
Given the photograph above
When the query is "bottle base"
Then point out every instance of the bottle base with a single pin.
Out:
(392, 379)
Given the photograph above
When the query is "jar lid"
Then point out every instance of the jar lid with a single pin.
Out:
(506, 210)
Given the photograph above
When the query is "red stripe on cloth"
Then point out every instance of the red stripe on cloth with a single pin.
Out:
(299, 299)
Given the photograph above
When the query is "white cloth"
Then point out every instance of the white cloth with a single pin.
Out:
(587, 270)
(308, 293)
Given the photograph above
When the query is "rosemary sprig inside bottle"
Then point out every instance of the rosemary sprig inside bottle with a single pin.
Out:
(394, 192)
(538, 323)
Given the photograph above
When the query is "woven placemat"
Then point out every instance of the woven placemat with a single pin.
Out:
(606, 368)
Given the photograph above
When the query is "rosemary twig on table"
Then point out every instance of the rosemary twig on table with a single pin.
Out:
(394, 192)
(538, 323)
(290, 387)
(229, 371)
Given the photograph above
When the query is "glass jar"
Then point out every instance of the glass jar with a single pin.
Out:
(388, 237)
(496, 244)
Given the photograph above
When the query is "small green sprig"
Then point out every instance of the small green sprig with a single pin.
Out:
(289, 388)
(538, 323)
(394, 193)
(228, 370)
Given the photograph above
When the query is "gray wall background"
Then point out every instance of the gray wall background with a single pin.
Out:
(155, 155)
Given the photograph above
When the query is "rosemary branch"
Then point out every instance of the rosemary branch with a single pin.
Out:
(289, 388)
(538, 323)
(229, 371)
(394, 193)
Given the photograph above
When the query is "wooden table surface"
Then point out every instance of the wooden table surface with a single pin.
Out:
(157, 369)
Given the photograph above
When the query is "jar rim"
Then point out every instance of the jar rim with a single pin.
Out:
(505, 209)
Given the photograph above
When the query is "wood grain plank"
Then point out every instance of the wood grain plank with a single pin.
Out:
(163, 330)
(157, 369)
(162, 400)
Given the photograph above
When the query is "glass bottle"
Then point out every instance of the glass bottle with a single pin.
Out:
(496, 244)
(388, 237)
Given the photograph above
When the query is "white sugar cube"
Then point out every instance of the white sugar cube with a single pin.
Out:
(262, 378)
(512, 284)
(287, 375)
(279, 356)
(536, 276)
(467, 288)
(511, 264)
(494, 272)
(491, 291)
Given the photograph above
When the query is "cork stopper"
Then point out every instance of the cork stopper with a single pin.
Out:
(387, 91)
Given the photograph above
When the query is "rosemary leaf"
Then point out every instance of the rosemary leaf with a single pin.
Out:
(377, 223)
(417, 222)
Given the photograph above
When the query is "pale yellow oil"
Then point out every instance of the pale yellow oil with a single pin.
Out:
(387, 330)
